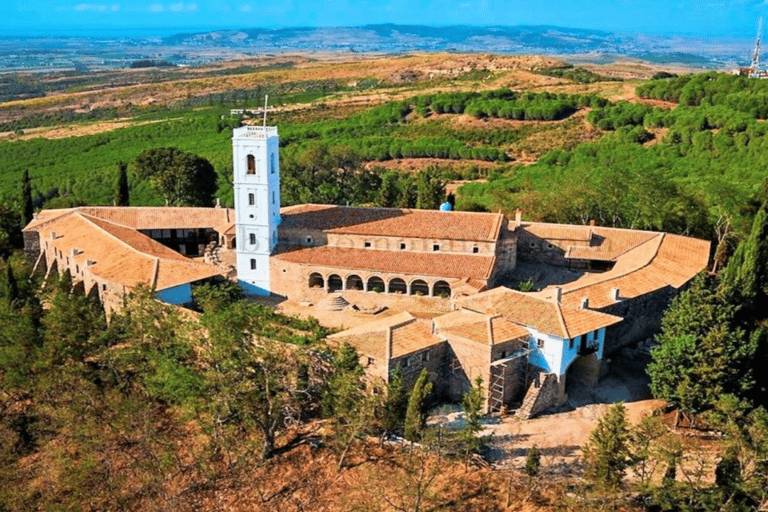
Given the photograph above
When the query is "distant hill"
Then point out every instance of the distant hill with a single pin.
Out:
(540, 39)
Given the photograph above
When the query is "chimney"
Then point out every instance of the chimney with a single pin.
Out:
(53, 235)
(518, 217)
(558, 294)
(592, 222)
(34, 216)
(75, 252)
(585, 303)
(89, 263)
(615, 294)
(218, 203)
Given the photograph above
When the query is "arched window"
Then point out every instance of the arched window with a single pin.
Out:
(441, 289)
(376, 284)
(316, 280)
(354, 283)
(335, 283)
(397, 285)
(251, 164)
(419, 287)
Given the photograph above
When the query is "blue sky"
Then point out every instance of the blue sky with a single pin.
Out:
(729, 18)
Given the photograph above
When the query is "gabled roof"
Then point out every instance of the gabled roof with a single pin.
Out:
(146, 217)
(447, 265)
(118, 254)
(408, 333)
(663, 260)
(394, 222)
(480, 328)
(545, 316)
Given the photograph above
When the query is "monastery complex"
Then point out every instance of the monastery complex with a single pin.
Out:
(524, 346)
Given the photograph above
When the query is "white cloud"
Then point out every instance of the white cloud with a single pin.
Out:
(247, 8)
(157, 8)
(177, 7)
(192, 7)
(115, 7)
(90, 7)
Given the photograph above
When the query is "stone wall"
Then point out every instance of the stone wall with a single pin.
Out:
(432, 358)
(466, 360)
(642, 318)
(31, 246)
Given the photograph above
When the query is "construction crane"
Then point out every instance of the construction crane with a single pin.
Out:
(754, 68)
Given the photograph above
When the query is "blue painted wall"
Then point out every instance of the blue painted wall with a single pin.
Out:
(177, 295)
(252, 289)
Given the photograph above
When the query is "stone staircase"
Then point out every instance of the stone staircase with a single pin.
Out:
(535, 398)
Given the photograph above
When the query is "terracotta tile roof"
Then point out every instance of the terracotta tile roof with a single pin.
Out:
(141, 217)
(409, 334)
(608, 244)
(664, 260)
(394, 222)
(120, 255)
(444, 265)
(474, 327)
(542, 315)
(557, 231)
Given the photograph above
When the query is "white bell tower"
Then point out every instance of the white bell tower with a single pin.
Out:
(257, 204)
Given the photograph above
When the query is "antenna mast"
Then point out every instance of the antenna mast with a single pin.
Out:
(754, 68)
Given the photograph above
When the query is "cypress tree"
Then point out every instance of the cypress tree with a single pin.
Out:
(26, 197)
(11, 285)
(415, 416)
(121, 187)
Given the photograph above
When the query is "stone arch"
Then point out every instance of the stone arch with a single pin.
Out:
(376, 284)
(354, 282)
(335, 283)
(316, 280)
(441, 289)
(397, 285)
(419, 287)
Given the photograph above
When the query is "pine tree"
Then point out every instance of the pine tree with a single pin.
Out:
(416, 415)
(28, 208)
(121, 187)
(533, 462)
(607, 453)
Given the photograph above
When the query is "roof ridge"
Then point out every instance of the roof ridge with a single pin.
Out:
(90, 218)
(41, 223)
(621, 274)
(561, 319)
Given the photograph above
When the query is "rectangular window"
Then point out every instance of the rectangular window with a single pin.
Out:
(251, 199)
(475, 250)
(540, 343)
(251, 165)
(253, 264)
(436, 247)
(272, 163)
(273, 197)
(252, 238)
(367, 245)
(309, 239)
(104, 287)
(570, 344)
(402, 246)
